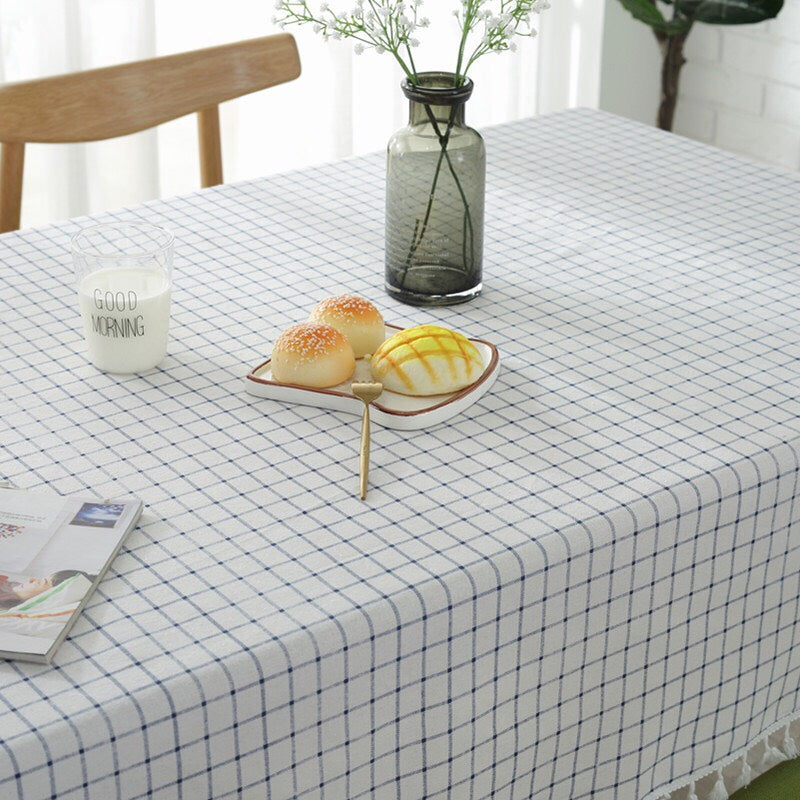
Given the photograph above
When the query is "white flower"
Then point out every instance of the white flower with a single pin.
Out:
(388, 26)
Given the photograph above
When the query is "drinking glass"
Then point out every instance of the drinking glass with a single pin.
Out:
(124, 277)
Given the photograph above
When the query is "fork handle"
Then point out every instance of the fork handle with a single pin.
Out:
(364, 451)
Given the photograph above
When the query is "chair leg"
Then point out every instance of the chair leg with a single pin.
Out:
(210, 147)
(12, 159)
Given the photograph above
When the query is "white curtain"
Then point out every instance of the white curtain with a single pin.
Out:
(342, 104)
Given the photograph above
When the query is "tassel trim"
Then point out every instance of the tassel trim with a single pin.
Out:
(788, 745)
(785, 750)
(771, 757)
(745, 775)
(719, 792)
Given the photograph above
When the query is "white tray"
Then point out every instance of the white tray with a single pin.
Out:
(391, 410)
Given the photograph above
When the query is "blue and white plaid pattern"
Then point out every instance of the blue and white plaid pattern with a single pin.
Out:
(585, 586)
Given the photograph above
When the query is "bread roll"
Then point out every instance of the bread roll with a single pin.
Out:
(426, 360)
(359, 321)
(312, 354)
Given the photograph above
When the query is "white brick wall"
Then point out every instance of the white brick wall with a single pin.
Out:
(740, 88)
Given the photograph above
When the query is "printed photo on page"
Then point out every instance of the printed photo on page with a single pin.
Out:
(52, 551)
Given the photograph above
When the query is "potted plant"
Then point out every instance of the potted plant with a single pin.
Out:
(436, 164)
(671, 30)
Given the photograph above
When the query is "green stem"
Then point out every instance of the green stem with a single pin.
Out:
(419, 231)
(418, 237)
(413, 65)
(444, 141)
(468, 16)
(410, 73)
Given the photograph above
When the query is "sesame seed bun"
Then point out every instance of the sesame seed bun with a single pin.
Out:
(357, 318)
(312, 354)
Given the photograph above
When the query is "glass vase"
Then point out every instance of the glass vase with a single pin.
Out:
(435, 187)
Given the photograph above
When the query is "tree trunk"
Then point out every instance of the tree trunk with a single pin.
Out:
(672, 61)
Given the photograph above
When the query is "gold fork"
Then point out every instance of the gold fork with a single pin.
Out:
(366, 392)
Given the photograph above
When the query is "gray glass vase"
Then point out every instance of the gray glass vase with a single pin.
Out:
(435, 187)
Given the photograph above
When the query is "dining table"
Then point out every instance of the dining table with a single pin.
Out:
(585, 584)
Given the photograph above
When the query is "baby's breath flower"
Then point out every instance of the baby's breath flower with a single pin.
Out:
(386, 26)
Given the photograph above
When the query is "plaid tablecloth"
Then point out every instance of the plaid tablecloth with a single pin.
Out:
(584, 586)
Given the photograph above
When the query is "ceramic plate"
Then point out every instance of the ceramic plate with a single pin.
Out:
(391, 410)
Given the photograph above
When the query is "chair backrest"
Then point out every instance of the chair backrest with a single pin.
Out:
(115, 101)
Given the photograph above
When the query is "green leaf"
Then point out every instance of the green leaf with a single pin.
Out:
(729, 12)
(646, 11)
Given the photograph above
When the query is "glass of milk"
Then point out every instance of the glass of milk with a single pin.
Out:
(124, 274)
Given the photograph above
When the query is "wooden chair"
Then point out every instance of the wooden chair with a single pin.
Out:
(115, 101)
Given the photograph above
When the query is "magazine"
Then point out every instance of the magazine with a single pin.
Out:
(53, 552)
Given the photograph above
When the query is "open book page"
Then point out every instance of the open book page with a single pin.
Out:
(26, 527)
(46, 577)
(86, 538)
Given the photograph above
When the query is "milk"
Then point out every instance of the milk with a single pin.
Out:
(125, 317)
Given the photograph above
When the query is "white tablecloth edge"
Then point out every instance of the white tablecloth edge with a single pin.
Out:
(721, 779)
